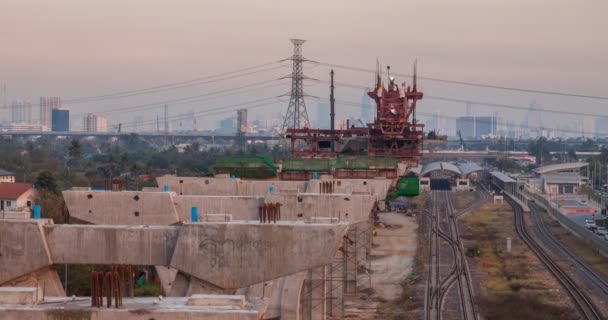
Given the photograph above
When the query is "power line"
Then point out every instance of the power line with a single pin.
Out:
(173, 86)
(355, 104)
(173, 118)
(155, 105)
(490, 104)
(474, 84)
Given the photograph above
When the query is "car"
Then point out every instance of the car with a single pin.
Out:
(606, 237)
(590, 225)
(584, 201)
(600, 231)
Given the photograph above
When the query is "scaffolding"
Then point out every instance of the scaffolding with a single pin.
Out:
(326, 287)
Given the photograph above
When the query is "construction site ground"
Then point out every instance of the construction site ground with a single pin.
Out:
(394, 248)
(509, 285)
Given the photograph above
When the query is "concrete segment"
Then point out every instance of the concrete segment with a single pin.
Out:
(120, 208)
(240, 207)
(133, 309)
(45, 278)
(224, 186)
(217, 300)
(306, 206)
(20, 295)
(377, 187)
(23, 248)
(104, 244)
(235, 255)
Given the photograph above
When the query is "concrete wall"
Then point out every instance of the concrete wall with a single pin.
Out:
(378, 187)
(103, 244)
(240, 207)
(237, 255)
(125, 207)
(23, 248)
(46, 278)
(224, 186)
(306, 206)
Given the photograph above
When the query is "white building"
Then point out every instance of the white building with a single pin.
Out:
(95, 123)
(16, 196)
(6, 176)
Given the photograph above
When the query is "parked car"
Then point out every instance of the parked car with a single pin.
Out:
(601, 231)
(590, 225)
(606, 237)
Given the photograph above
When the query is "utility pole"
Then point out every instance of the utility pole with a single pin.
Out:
(166, 119)
(296, 116)
(332, 103)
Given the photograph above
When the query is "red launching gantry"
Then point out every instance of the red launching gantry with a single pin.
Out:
(394, 132)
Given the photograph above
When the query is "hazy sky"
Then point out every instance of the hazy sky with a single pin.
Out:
(75, 48)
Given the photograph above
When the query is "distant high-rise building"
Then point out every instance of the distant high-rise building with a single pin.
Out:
(241, 121)
(47, 104)
(588, 127)
(476, 127)
(137, 123)
(21, 111)
(535, 124)
(366, 107)
(60, 120)
(95, 123)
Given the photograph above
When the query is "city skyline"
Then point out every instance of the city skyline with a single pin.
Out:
(132, 53)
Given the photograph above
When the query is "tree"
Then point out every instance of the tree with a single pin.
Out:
(540, 150)
(75, 150)
(46, 181)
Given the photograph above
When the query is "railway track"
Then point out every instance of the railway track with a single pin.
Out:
(458, 275)
(598, 280)
(579, 298)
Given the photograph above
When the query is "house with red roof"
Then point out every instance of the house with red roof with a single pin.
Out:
(16, 196)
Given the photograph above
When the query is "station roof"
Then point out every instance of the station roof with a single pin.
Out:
(502, 177)
(560, 167)
(461, 169)
(562, 178)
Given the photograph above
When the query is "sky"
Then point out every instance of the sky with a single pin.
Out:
(74, 48)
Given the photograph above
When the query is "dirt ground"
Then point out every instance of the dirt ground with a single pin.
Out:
(394, 248)
(509, 285)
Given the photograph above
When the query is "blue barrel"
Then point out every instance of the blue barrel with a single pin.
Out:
(271, 189)
(166, 188)
(315, 175)
(37, 212)
(194, 214)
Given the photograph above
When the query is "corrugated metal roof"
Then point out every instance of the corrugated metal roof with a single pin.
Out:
(6, 173)
(434, 166)
(571, 178)
(560, 166)
(469, 167)
(502, 177)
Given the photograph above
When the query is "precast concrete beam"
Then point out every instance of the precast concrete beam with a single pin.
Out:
(350, 208)
(106, 244)
(23, 248)
(240, 207)
(122, 208)
(239, 254)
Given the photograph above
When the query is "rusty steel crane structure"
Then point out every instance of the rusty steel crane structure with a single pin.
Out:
(394, 132)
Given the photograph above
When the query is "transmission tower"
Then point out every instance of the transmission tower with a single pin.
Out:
(296, 116)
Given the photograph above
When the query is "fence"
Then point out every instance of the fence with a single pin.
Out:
(592, 239)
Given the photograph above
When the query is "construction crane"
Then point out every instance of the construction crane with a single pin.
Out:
(461, 140)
